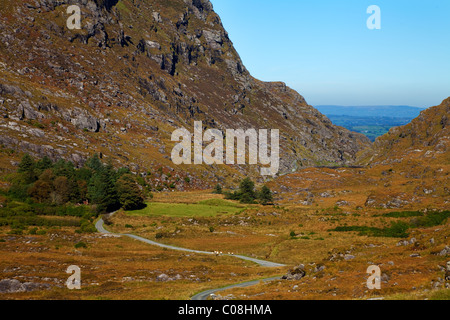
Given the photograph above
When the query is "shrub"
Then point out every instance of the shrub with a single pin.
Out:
(265, 196)
(404, 214)
(86, 227)
(218, 189)
(80, 245)
(430, 220)
(397, 230)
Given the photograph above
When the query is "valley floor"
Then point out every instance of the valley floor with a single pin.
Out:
(302, 228)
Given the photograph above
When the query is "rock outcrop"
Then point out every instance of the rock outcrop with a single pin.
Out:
(139, 65)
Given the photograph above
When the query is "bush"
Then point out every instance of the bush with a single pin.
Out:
(17, 232)
(86, 227)
(247, 194)
(404, 214)
(265, 196)
(430, 220)
(218, 189)
(397, 230)
(80, 245)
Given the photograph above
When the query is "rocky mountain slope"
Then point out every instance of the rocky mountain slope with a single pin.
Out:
(427, 138)
(136, 71)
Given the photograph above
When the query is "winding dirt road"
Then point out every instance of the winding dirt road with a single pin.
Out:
(203, 295)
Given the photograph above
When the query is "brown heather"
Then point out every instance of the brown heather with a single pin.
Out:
(140, 69)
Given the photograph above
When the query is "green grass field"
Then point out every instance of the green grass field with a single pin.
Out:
(207, 208)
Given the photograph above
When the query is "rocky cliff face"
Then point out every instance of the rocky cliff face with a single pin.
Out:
(136, 71)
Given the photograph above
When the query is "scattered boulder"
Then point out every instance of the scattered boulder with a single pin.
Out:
(445, 251)
(406, 242)
(11, 286)
(319, 268)
(157, 17)
(342, 203)
(15, 286)
(385, 278)
(391, 202)
(297, 273)
(163, 277)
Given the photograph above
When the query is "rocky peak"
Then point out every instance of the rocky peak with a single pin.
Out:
(136, 71)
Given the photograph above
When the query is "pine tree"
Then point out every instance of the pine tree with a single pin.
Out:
(27, 169)
(102, 190)
(26, 164)
(44, 164)
(94, 163)
(129, 193)
(265, 196)
(247, 191)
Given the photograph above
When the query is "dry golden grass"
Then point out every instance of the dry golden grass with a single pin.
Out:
(121, 268)
(114, 268)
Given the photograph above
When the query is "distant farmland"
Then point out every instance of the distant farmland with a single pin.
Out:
(372, 121)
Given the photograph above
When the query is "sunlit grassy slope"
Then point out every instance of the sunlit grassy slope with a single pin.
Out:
(207, 208)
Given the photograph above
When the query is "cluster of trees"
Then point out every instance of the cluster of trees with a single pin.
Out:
(248, 194)
(60, 183)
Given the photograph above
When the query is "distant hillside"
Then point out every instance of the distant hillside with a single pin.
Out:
(372, 121)
(426, 137)
(372, 111)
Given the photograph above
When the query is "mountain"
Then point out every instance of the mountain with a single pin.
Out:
(426, 139)
(371, 111)
(135, 72)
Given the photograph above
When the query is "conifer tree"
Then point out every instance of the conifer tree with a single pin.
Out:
(27, 169)
(129, 193)
(265, 196)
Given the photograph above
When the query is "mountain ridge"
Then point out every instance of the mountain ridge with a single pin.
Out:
(425, 137)
(135, 72)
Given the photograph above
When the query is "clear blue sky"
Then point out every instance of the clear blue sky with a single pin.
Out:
(324, 50)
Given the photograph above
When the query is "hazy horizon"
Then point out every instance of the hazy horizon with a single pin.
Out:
(324, 50)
